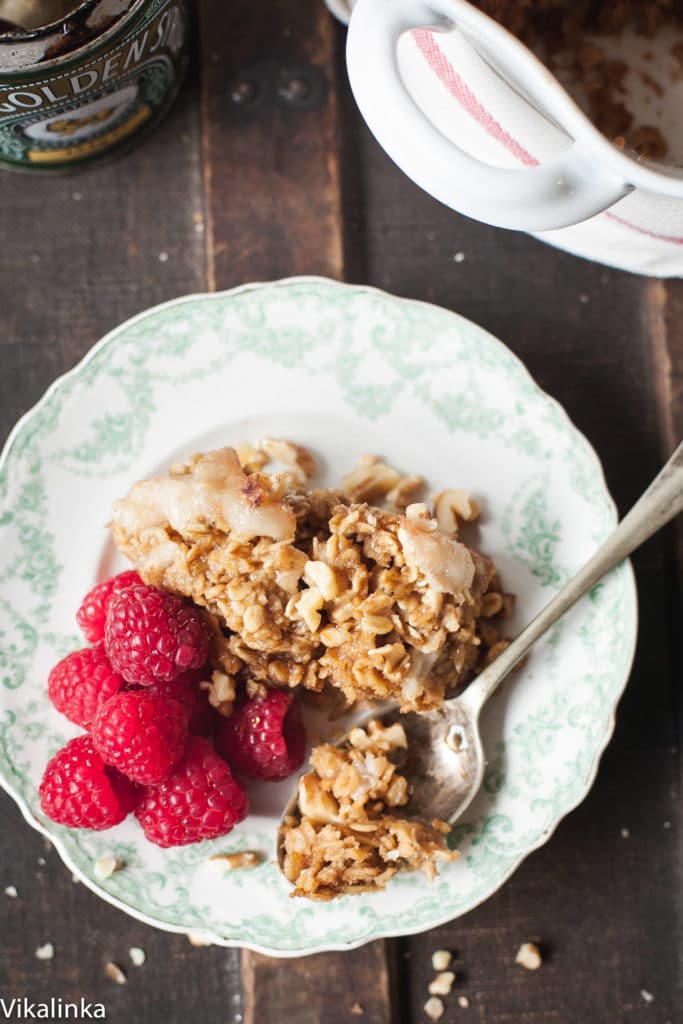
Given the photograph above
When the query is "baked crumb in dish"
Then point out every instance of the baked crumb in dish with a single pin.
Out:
(578, 15)
(314, 587)
(566, 34)
(350, 836)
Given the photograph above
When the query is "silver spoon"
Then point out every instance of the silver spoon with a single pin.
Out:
(447, 756)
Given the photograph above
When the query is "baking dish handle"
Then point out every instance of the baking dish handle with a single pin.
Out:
(566, 190)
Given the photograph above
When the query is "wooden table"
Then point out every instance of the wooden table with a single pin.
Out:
(263, 170)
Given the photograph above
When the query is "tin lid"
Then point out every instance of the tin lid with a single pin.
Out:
(71, 25)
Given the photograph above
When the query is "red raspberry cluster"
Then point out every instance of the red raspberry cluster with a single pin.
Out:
(150, 726)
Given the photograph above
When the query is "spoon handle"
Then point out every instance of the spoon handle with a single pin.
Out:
(661, 502)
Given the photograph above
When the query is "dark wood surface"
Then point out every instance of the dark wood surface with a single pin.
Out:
(234, 191)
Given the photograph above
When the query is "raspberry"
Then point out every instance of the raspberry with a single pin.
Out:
(185, 689)
(82, 681)
(264, 738)
(80, 791)
(93, 611)
(141, 734)
(200, 800)
(151, 636)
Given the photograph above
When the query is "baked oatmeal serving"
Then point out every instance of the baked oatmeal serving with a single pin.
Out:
(349, 836)
(249, 590)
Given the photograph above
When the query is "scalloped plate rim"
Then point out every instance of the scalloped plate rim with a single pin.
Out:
(377, 933)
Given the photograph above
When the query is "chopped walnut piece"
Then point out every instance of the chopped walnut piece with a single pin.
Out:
(245, 859)
(451, 506)
(529, 956)
(442, 984)
(221, 692)
(441, 959)
(115, 973)
(254, 618)
(400, 496)
(299, 460)
(106, 866)
(318, 574)
(419, 511)
(491, 605)
(309, 606)
(331, 636)
(495, 650)
(434, 1008)
(252, 460)
(255, 689)
(315, 803)
(370, 480)
(376, 736)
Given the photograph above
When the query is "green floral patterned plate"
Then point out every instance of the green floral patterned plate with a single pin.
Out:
(345, 370)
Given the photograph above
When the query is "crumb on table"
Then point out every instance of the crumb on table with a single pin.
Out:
(529, 956)
(434, 1008)
(115, 973)
(442, 984)
(441, 959)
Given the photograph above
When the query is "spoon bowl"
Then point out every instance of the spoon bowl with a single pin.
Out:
(445, 760)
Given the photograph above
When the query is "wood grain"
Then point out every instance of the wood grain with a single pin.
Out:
(674, 395)
(336, 988)
(663, 316)
(272, 184)
(85, 251)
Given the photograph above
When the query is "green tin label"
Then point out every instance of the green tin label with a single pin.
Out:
(99, 98)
